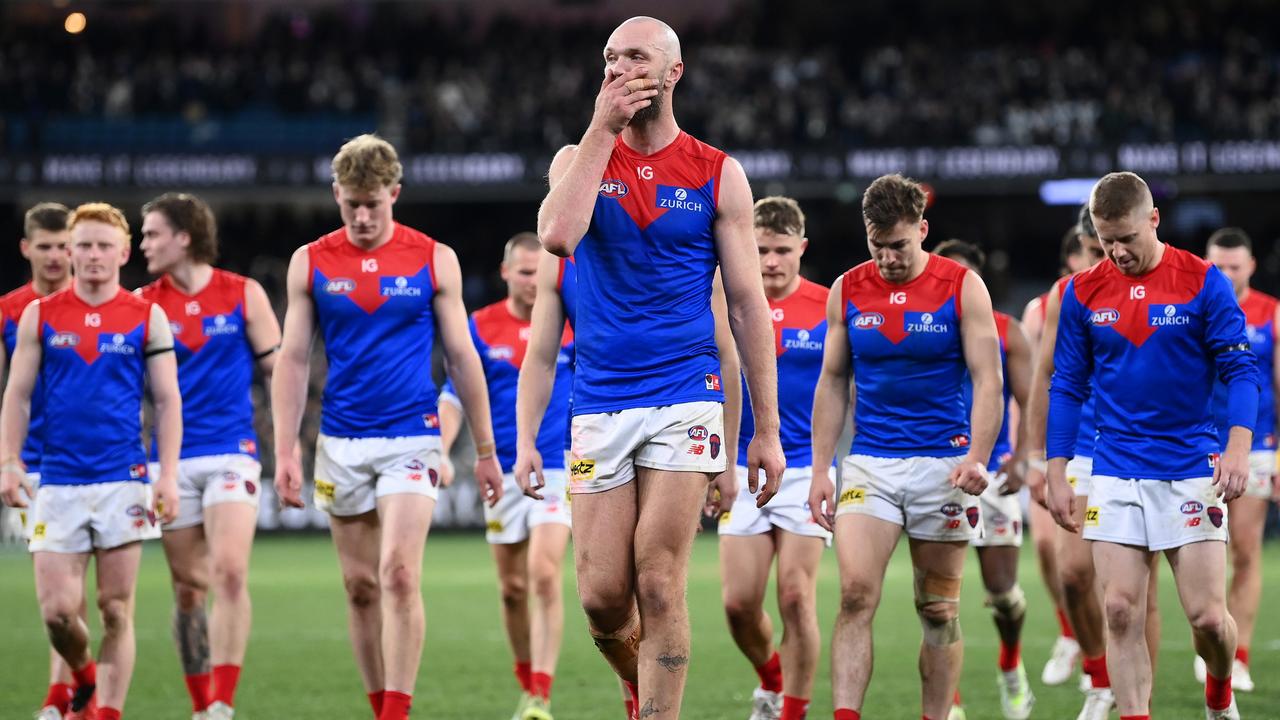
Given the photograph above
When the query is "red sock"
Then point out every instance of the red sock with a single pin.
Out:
(634, 689)
(1135, 717)
(847, 714)
(87, 675)
(1064, 625)
(1096, 669)
(794, 708)
(1010, 656)
(524, 675)
(225, 679)
(924, 717)
(631, 708)
(375, 702)
(59, 696)
(956, 700)
(1217, 693)
(395, 705)
(1242, 654)
(540, 684)
(108, 713)
(198, 688)
(771, 674)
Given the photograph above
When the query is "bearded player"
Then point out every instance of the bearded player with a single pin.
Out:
(96, 350)
(223, 326)
(378, 292)
(904, 328)
(648, 212)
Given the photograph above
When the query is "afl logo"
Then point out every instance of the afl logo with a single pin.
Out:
(952, 509)
(1105, 317)
(64, 340)
(615, 189)
(1191, 507)
(340, 286)
(698, 432)
(869, 321)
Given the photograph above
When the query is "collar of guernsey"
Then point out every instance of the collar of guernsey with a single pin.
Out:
(374, 310)
(93, 370)
(907, 360)
(645, 335)
(11, 307)
(1137, 337)
(215, 364)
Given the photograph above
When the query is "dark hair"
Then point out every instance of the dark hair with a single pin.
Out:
(1084, 223)
(892, 199)
(1117, 194)
(1231, 237)
(1071, 244)
(47, 216)
(967, 251)
(189, 214)
(779, 215)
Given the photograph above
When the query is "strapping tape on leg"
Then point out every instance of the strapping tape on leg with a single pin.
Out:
(936, 589)
(621, 647)
(1009, 605)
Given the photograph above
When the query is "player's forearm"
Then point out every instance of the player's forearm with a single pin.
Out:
(15, 419)
(168, 417)
(533, 395)
(1239, 440)
(450, 424)
(468, 381)
(288, 400)
(566, 212)
(1036, 412)
(830, 404)
(753, 330)
(731, 372)
(1064, 422)
(986, 415)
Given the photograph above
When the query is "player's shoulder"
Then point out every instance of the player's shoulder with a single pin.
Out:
(413, 237)
(695, 148)
(1088, 279)
(1260, 299)
(1184, 262)
(130, 300)
(945, 269)
(15, 301)
(491, 313)
(810, 291)
(153, 291)
(330, 241)
(57, 299)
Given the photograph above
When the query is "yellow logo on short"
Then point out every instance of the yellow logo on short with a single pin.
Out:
(37, 533)
(724, 518)
(494, 526)
(853, 496)
(325, 490)
(1071, 480)
(582, 470)
(1092, 516)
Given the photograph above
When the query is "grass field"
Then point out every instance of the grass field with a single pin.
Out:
(300, 666)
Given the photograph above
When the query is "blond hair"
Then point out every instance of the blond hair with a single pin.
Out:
(367, 163)
(100, 212)
(779, 215)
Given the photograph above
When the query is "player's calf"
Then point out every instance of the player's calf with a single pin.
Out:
(620, 645)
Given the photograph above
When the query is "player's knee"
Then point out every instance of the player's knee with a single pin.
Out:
(741, 608)
(606, 608)
(515, 592)
(117, 614)
(230, 577)
(59, 617)
(857, 598)
(188, 597)
(1077, 579)
(1121, 611)
(657, 599)
(546, 583)
(1245, 559)
(362, 590)
(1010, 605)
(1209, 621)
(795, 601)
(400, 579)
(937, 599)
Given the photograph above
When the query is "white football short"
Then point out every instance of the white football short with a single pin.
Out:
(1079, 474)
(1262, 467)
(607, 447)
(510, 520)
(212, 479)
(82, 518)
(1001, 516)
(26, 516)
(788, 510)
(1154, 514)
(352, 473)
(914, 492)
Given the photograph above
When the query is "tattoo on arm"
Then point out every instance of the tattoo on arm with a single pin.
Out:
(191, 633)
(673, 663)
(650, 709)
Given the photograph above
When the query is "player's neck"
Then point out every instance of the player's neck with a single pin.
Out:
(191, 277)
(44, 288)
(653, 136)
(96, 292)
(519, 310)
(1155, 260)
(776, 294)
(383, 238)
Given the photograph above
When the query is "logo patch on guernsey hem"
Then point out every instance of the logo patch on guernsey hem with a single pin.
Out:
(1213, 460)
(676, 198)
(248, 447)
(582, 470)
(431, 420)
(1093, 516)
(611, 188)
(137, 472)
(1168, 315)
(960, 441)
(1215, 516)
(712, 381)
(853, 496)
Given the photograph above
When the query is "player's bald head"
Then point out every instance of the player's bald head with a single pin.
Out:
(1119, 194)
(646, 31)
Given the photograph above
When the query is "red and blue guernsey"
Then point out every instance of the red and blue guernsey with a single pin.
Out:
(1260, 326)
(374, 311)
(93, 370)
(799, 334)
(567, 286)
(11, 307)
(1001, 450)
(645, 333)
(908, 364)
(1152, 345)
(502, 340)
(1087, 432)
(215, 364)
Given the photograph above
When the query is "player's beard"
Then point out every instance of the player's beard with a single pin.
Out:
(646, 115)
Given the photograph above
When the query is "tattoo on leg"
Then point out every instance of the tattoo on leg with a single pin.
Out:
(673, 663)
(650, 709)
(191, 632)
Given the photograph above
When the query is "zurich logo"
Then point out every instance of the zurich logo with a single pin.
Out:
(220, 320)
(682, 194)
(926, 319)
(401, 282)
(869, 321)
(1170, 311)
(615, 189)
(117, 339)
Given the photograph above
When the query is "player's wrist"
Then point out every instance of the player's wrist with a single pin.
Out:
(485, 449)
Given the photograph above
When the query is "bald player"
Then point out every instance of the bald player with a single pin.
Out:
(647, 212)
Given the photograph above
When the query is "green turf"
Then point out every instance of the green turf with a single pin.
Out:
(300, 665)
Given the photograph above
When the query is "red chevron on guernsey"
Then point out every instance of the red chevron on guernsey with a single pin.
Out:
(68, 322)
(1125, 303)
